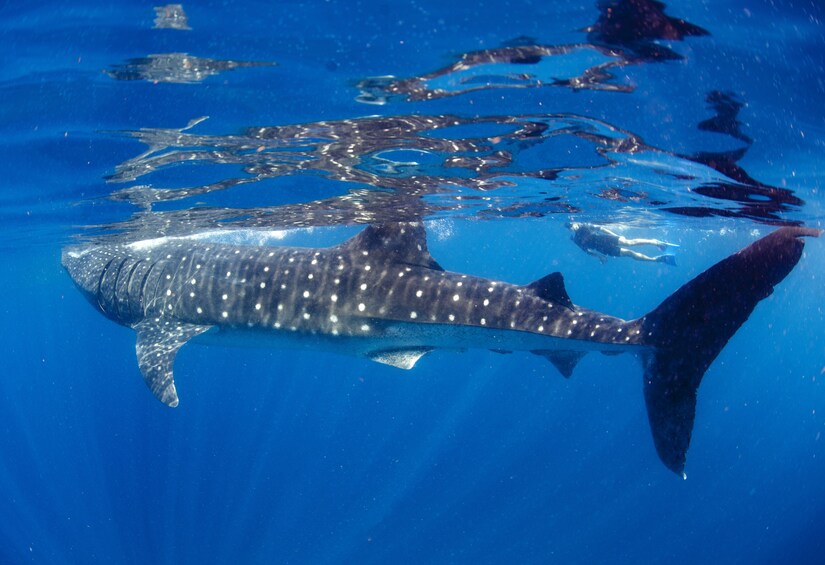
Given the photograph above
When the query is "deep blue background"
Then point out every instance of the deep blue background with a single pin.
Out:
(284, 457)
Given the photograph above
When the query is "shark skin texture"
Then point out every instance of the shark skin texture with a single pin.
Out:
(382, 296)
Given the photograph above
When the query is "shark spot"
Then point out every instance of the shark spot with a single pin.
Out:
(413, 315)
(455, 298)
(363, 286)
(333, 319)
(314, 262)
(367, 267)
(365, 328)
(401, 273)
(225, 314)
(199, 310)
(306, 315)
(257, 307)
(228, 273)
(277, 325)
(489, 289)
(541, 328)
(483, 322)
(191, 295)
(486, 302)
(266, 269)
(168, 292)
(310, 276)
(263, 285)
(306, 294)
(280, 307)
(334, 298)
(419, 293)
(451, 317)
(459, 283)
(168, 277)
(361, 307)
(224, 297)
(194, 281)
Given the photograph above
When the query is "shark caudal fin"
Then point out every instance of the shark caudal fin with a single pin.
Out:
(690, 328)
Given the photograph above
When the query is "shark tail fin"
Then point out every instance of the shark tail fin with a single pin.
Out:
(689, 329)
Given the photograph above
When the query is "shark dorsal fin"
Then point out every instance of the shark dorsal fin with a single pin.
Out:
(397, 242)
(551, 288)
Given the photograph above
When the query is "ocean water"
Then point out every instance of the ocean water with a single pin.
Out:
(493, 123)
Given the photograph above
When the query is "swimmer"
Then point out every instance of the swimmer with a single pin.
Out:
(602, 243)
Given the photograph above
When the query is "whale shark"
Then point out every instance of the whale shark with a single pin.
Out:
(382, 296)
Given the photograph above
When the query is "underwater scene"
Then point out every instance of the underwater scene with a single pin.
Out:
(476, 282)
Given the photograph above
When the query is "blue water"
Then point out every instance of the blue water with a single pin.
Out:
(473, 457)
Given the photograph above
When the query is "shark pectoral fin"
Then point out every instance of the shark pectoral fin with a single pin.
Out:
(564, 361)
(158, 341)
(400, 358)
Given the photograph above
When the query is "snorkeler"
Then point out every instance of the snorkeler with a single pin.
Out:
(601, 243)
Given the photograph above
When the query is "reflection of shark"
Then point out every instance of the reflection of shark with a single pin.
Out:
(381, 295)
(176, 67)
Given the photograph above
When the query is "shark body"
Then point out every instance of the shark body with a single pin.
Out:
(382, 295)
